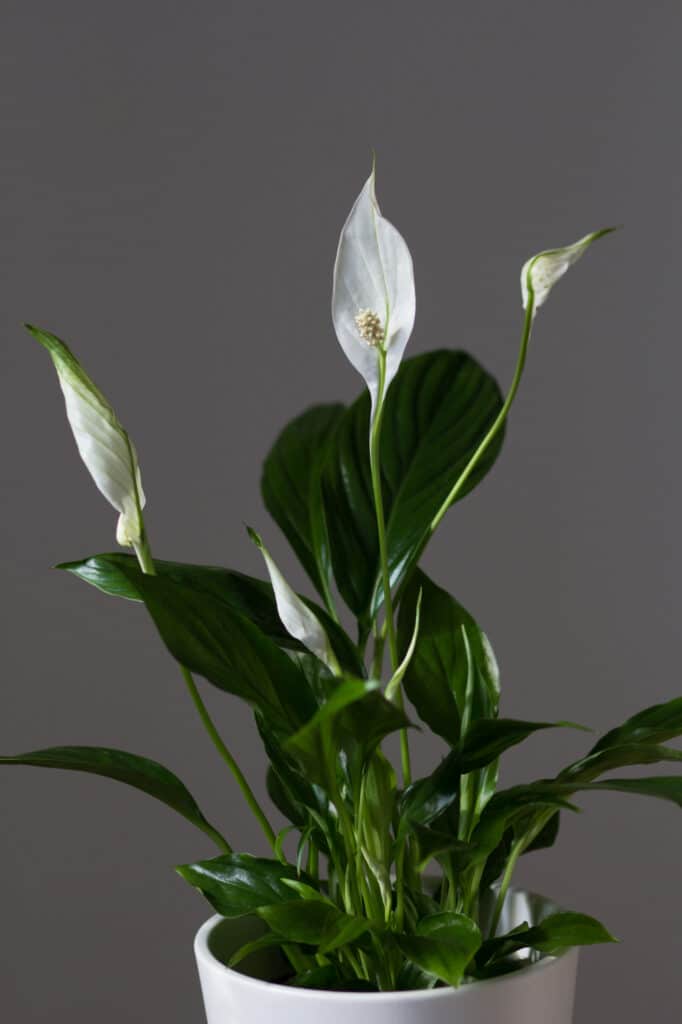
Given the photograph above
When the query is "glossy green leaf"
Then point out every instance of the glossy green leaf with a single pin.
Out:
(313, 923)
(437, 411)
(656, 724)
(356, 717)
(117, 575)
(238, 884)
(443, 945)
(436, 678)
(205, 634)
(557, 932)
(292, 492)
(621, 756)
(139, 772)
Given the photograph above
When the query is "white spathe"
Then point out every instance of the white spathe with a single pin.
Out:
(541, 272)
(298, 620)
(373, 275)
(103, 444)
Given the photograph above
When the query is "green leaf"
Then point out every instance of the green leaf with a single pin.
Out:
(313, 923)
(292, 492)
(139, 772)
(355, 717)
(238, 884)
(443, 945)
(621, 756)
(438, 409)
(656, 724)
(436, 678)
(118, 575)
(557, 932)
(206, 635)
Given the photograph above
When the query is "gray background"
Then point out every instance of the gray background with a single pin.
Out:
(173, 178)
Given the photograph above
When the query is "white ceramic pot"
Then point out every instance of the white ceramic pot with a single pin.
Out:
(539, 994)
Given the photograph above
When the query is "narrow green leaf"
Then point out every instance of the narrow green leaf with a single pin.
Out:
(557, 932)
(139, 772)
(656, 724)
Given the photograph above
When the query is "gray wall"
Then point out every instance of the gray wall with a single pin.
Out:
(173, 178)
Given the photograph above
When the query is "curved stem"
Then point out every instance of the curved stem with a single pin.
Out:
(227, 757)
(516, 851)
(495, 428)
(375, 469)
(144, 557)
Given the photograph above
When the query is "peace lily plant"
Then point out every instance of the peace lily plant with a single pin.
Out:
(348, 892)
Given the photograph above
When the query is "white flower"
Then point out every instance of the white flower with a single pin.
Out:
(540, 273)
(298, 620)
(373, 301)
(104, 445)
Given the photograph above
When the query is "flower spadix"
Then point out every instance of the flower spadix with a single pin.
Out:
(103, 444)
(541, 272)
(295, 615)
(373, 300)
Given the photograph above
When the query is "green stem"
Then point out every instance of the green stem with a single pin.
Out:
(375, 469)
(144, 557)
(227, 757)
(516, 851)
(499, 421)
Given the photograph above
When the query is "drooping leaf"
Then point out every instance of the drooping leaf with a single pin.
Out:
(656, 724)
(443, 945)
(238, 884)
(291, 488)
(437, 410)
(206, 635)
(117, 575)
(140, 772)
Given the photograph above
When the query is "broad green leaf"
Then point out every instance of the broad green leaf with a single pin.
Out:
(620, 756)
(291, 488)
(442, 946)
(557, 932)
(314, 923)
(437, 410)
(436, 677)
(117, 575)
(238, 884)
(140, 772)
(206, 635)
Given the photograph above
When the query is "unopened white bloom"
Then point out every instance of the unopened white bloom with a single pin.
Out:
(104, 445)
(373, 301)
(297, 618)
(540, 273)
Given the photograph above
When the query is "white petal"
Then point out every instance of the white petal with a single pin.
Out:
(103, 444)
(373, 271)
(297, 618)
(540, 273)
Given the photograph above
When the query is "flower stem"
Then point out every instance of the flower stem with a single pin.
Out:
(227, 757)
(497, 425)
(375, 469)
(144, 557)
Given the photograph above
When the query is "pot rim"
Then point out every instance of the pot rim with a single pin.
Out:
(204, 955)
